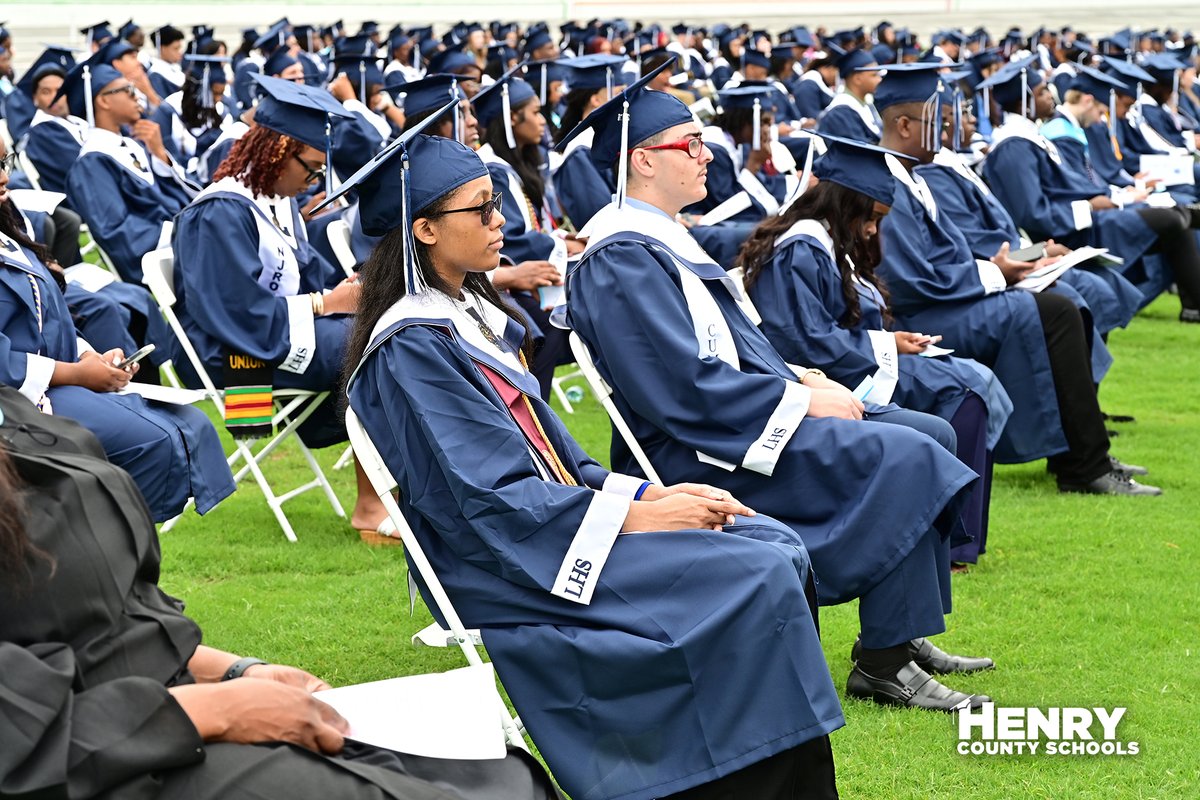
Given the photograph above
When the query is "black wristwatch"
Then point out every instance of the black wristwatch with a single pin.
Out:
(240, 666)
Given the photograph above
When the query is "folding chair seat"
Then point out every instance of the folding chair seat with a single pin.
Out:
(338, 233)
(292, 406)
(604, 392)
(383, 484)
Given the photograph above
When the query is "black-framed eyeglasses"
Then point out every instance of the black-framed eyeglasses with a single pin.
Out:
(128, 89)
(485, 209)
(314, 173)
(8, 163)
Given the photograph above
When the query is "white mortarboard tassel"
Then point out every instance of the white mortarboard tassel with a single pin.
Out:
(457, 112)
(608, 81)
(1025, 92)
(89, 112)
(1112, 122)
(506, 111)
(328, 155)
(206, 93)
(931, 112)
(542, 93)
(757, 126)
(362, 82)
(623, 159)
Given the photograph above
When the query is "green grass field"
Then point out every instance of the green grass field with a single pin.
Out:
(1082, 601)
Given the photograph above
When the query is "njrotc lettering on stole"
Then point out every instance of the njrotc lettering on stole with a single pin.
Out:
(579, 575)
(278, 274)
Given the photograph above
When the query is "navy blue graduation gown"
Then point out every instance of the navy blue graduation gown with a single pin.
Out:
(52, 146)
(1112, 170)
(1109, 299)
(661, 326)
(186, 145)
(936, 287)
(810, 98)
(620, 677)
(799, 296)
(19, 111)
(242, 285)
(525, 238)
(841, 118)
(725, 180)
(124, 204)
(171, 451)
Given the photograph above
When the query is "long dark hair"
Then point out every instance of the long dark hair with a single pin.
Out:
(576, 102)
(17, 553)
(527, 160)
(382, 281)
(191, 110)
(845, 211)
(11, 226)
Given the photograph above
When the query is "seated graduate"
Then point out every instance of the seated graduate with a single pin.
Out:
(1036, 343)
(811, 274)
(851, 114)
(814, 91)
(123, 57)
(711, 401)
(1104, 296)
(127, 189)
(128, 702)
(612, 676)
(194, 118)
(511, 130)
(1050, 201)
(55, 135)
(358, 86)
(248, 283)
(1162, 125)
(165, 64)
(172, 451)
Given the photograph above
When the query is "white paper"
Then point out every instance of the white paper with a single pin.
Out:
(1172, 170)
(932, 351)
(453, 714)
(734, 205)
(88, 277)
(1039, 279)
(36, 200)
(163, 394)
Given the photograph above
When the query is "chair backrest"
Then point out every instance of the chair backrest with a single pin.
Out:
(383, 484)
(603, 392)
(158, 273)
(31, 172)
(338, 233)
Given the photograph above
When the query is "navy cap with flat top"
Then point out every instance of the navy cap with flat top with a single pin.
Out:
(859, 166)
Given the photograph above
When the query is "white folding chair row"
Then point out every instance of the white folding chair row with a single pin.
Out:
(383, 484)
(292, 406)
(603, 392)
(338, 233)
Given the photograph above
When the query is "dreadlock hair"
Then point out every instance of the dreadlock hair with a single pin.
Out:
(527, 160)
(191, 110)
(383, 284)
(845, 211)
(258, 158)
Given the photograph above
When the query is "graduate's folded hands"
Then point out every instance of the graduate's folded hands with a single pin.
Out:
(684, 511)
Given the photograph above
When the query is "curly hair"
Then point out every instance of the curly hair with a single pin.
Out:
(845, 211)
(258, 158)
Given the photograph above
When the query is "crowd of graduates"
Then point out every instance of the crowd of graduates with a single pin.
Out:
(838, 275)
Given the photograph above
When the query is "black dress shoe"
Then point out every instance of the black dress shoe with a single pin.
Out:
(912, 687)
(1189, 315)
(1128, 470)
(1112, 483)
(934, 660)
(1117, 417)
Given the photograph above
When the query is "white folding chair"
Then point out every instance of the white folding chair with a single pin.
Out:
(292, 406)
(383, 484)
(338, 233)
(603, 392)
(558, 387)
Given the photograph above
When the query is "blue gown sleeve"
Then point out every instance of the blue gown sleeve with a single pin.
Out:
(163, 117)
(520, 243)
(52, 150)
(216, 277)
(628, 305)
(94, 185)
(798, 296)
(984, 227)
(1012, 170)
(582, 190)
(427, 408)
(844, 122)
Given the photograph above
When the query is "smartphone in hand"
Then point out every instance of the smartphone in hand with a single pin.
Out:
(127, 363)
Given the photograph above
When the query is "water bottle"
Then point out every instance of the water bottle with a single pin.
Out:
(574, 394)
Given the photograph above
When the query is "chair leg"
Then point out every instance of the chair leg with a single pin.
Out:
(345, 458)
(275, 503)
(321, 479)
(557, 386)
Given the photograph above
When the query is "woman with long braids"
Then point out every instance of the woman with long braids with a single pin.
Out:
(614, 648)
(194, 118)
(511, 130)
(171, 451)
(811, 275)
(248, 282)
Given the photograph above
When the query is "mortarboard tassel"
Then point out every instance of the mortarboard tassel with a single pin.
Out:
(328, 156)
(931, 112)
(206, 93)
(956, 141)
(506, 110)
(542, 93)
(1112, 123)
(623, 162)
(457, 112)
(756, 133)
(89, 112)
(362, 82)
(1024, 93)
(608, 81)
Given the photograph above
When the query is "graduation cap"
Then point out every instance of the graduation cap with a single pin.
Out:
(274, 37)
(758, 96)
(278, 61)
(754, 58)
(167, 34)
(540, 74)
(368, 27)
(450, 60)
(55, 58)
(113, 49)
(1099, 85)
(631, 117)
(845, 38)
(397, 38)
(306, 34)
(858, 166)
(1129, 74)
(1164, 68)
(801, 36)
(850, 61)
(426, 168)
(300, 112)
(535, 40)
(921, 82)
(357, 56)
(209, 71)
(1014, 81)
(499, 99)
(595, 72)
(128, 29)
(83, 83)
(429, 94)
(202, 34)
(96, 34)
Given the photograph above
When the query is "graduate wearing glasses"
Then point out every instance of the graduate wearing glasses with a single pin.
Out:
(611, 608)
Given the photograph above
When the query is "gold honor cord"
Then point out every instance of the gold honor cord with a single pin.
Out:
(551, 457)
